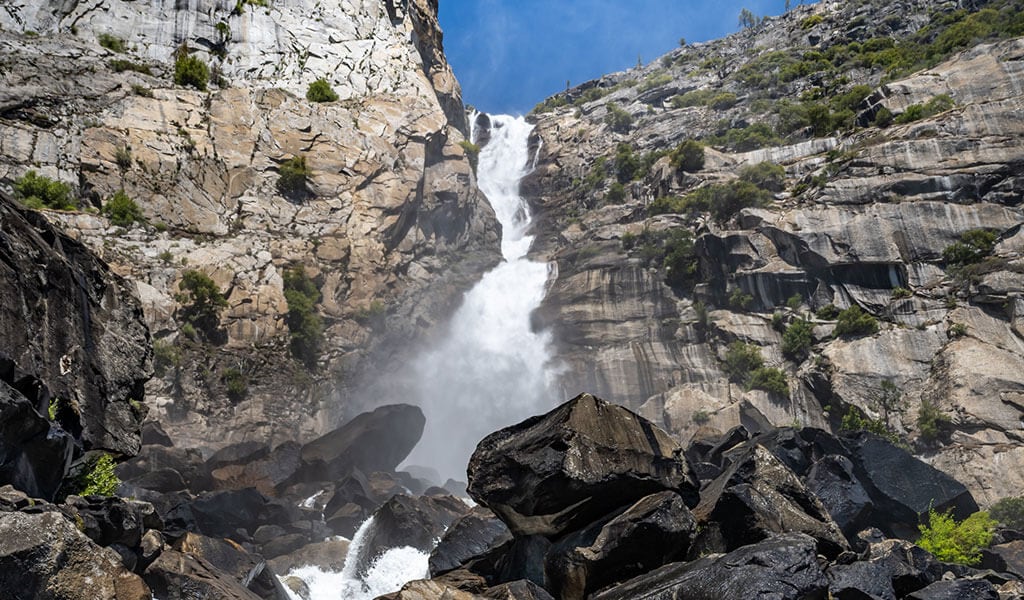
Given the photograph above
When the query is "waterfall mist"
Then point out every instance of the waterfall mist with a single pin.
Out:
(491, 369)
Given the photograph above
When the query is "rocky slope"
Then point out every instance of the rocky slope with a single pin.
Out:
(387, 222)
(897, 130)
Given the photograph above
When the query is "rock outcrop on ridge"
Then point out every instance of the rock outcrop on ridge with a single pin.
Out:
(387, 224)
(858, 143)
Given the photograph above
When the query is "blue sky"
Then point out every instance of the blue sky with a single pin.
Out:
(511, 54)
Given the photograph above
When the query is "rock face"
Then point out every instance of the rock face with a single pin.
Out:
(388, 223)
(76, 350)
(860, 216)
(553, 473)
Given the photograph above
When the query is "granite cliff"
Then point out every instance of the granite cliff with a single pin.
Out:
(385, 221)
(848, 155)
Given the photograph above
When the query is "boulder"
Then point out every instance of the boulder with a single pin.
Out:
(758, 496)
(76, 330)
(328, 555)
(1011, 554)
(373, 441)
(518, 590)
(346, 519)
(472, 536)
(34, 457)
(187, 462)
(831, 479)
(237, 454)
(426, 589)
(110, 520)
(784, 567)
(411, 521)
(174, 572)
(655, 531)
(228, 558)
(223, 514)
(45, 556)
(561, 471)
(154, 435)
(961, 589)
(159, 480)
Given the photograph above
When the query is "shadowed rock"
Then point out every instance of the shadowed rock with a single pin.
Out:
(471, 536)
(563, 470)
(33, 456)
(373, 441)
(410, 521)
(781, 568)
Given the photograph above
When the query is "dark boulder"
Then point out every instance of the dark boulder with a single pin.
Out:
(223, 514)
(962, 589)
(784, 567)
(187, 462)
(249, 570)
(472, 536)
(416, 522)
(159, 480)
(174, 572)
(373, 441)
(75, 329)
(237, 454)
(562, 471)
(832, 480)
(34, 457)
(328, 555)
(110, 520)
(45, 556)
(154, 435)
(655, 531)
(1011, 554)
(861, 581)
(345, 520)
(758, 496)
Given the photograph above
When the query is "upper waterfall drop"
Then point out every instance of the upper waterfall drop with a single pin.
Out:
(491, 369)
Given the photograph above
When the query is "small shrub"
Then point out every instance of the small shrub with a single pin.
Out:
(191, 71)
(141, 90)
(700, 417)
(766, 175)
(111, 42)
(974, 246)
(122, 210)
(119, 65)
(769, 379)
(628, 240)
(723, 101)
(202, 301)
(740, 300)
(100, 480)
(959, 543)
(618, 119)
(38, 191)
(1009, 512)
(794, 302)
(123, 157)
(854, 322)
(166, 356)
(828, 312)
(472, 153)
(778, 321)
(811, 21)
(321, 91)
(628, 166)
(797, 339)
(956, 330)
(680, 260)
(688, 157)
(616, 193)
(291, 181)
(930, 421)
(854, 421)
(883, 118)
(236, 384)
(916, 112)
(899, 293)
(304, 324)
(741, 360)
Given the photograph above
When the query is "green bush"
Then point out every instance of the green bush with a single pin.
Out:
(1009, 512)
(828, 312)
(688, 157)
(550, 104)
(740, 300)
(811, 21)
(765, 175)
(899, 293)
(191, 71)
(292, 175)
(974, 246)
(916, 112)
(166, 356)
(954, 542)
(202, 301)
(797, 339)
(741, 360)
(618, 119)
(122, 210)
(100, 480)
(883, 117)
(752, 137)
(680, 261)
(723, 101)
(38, 191)
(854, 322)
(854, 421)
(693, 98)
(472, 153)
(304, 324)
(111, 42)
(119, 65)
(616, 193)
(722, 201)
(236, 384)
(320, 91)
(628, 166)
(769, 379)
(930, 421)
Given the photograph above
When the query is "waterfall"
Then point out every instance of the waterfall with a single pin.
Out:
(491, 369)
(387, 573)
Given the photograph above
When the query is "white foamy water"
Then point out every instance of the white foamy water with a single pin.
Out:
(492, 369)
(387, 573)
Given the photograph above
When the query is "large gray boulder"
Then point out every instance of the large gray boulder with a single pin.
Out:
(33, 455)
(45, 556)
(374, 441)
(562, 471)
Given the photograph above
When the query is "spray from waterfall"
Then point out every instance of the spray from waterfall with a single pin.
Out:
(491, 369)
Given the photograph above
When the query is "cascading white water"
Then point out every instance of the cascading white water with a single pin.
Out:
(492, 369)
(387, 573)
